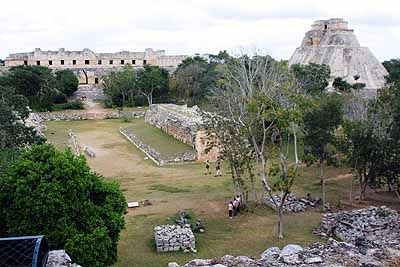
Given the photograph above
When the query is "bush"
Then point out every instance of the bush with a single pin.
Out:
(140, 100)
(67, 82)
(55, 194)
(69, 105)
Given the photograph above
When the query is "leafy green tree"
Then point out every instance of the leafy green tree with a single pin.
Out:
(393, 68)
(343, 86)
(13, 113)
(320, 124)
(121, 86)
(153, 81)
(37, 83)
(313, 78)
(55, 194)
(67, 83)
(195, 78)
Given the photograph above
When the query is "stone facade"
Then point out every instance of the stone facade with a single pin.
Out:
(184, 124)
(331, 42)
(90, 66)
(174, 238)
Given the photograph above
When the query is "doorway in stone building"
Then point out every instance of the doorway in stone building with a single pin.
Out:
(82, 76)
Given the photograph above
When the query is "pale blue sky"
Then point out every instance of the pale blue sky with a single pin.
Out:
(190, 26)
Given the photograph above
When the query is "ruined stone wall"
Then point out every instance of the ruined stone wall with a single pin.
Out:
(184, 124)
(174, 238)
(73, 116)
(88, 65)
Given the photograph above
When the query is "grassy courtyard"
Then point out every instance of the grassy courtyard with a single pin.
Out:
(184, 186)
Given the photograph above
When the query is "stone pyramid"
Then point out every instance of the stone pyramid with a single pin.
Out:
(330, 42)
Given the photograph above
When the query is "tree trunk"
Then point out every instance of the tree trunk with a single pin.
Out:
(321, 171)
(280, 221)
(351, 191)
(252, 187)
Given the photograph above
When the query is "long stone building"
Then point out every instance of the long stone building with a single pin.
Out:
(90, 66)
(331, 42)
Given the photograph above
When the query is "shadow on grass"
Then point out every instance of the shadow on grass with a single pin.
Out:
(167, 188)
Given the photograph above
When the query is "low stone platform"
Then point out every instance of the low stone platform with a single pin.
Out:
(174, 238)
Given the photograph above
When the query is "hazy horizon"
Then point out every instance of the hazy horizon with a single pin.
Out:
(188, 26)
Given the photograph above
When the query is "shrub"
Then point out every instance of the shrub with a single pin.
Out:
(140, 100)
(69, 105)
(56, 194)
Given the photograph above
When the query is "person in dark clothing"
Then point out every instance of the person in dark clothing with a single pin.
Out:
(207, 167)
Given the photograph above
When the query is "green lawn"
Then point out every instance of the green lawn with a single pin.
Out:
(184, 186)
(157, 138)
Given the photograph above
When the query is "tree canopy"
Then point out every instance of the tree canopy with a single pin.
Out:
(313, 78)
(40, 85)
(54, 193)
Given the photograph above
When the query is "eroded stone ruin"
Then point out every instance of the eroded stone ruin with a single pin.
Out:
(90, 66)
(370, 237)
(184, 124)
(292, 203)
(331, 42)
(174, 238)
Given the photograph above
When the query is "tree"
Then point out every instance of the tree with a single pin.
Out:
(14, 111)
(67, 83)
(393, 68)
(343, 86)
(195, 78)
(37, 83)
(259, 96)
(314, 78)
(320, 124)
(152, 81)
(55, 194)
(121, 86)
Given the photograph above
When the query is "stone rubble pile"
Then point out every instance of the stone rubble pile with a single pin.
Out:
(174, 238)
(35, 121)
(381, 233)
(59, 258)
(73, 116)
(156, 156)
(370, 227)
(292, 203)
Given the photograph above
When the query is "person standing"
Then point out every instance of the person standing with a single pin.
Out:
(235, 206)
(230, 209)
(218, 169)
(239, 203)
(208, 167)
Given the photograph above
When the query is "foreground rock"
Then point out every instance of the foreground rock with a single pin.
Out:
(368, 228)
(59, 258)
(371, 238)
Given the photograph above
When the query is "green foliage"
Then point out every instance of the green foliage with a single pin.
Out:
(153, 81)
(69, 105)
(13, 113)
(320, 123)
(312, 77)
(55, 193)
(41, 87)
(36, 83)
(393, 68)
(195, 78)
(129, 87)
(67, 83)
